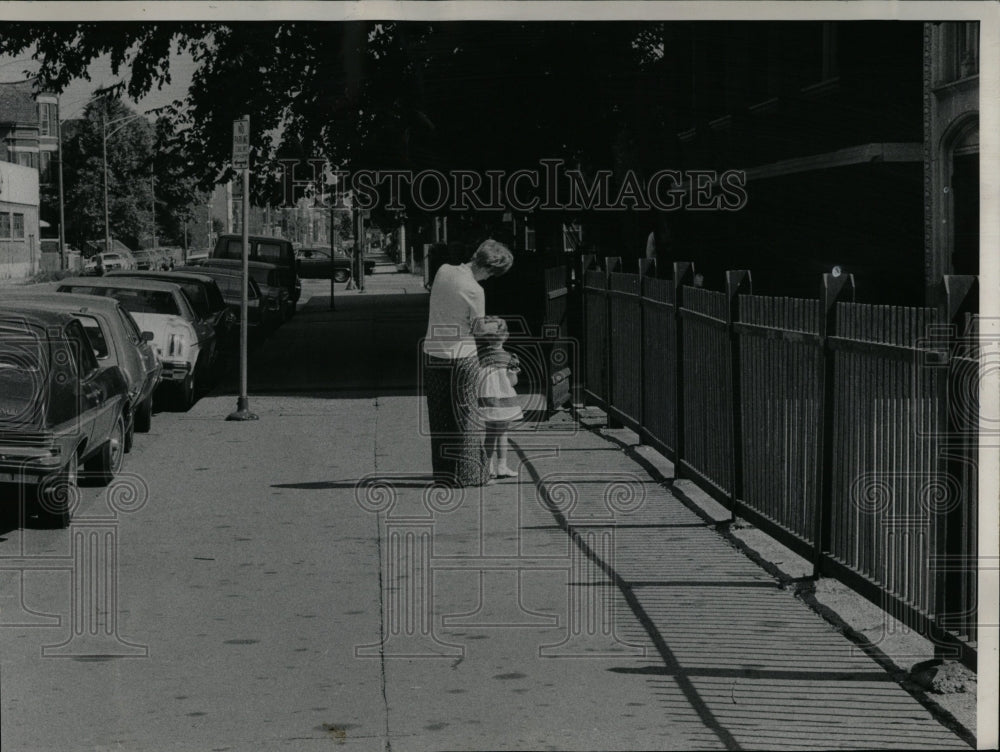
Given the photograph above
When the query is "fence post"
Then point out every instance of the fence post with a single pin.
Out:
(683, 275)
(611, 264)
(587, 262)
(835, 289)
(647, 267)
(955, 594)
(737, 283)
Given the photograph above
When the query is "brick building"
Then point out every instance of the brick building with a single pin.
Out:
(859, 140)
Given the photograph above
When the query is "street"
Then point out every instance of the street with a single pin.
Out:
(294, 582)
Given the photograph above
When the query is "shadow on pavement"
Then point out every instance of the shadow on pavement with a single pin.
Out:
(368, 347)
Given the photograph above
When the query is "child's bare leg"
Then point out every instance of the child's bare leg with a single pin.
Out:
(492, 448)
(502, 468)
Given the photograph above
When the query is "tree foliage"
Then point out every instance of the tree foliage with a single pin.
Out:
(129, 163)
(405, 95)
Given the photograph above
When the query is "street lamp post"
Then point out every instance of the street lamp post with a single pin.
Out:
(63, 264)
(107, 223)
(104, 145)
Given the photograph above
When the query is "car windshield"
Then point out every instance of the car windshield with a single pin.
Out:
(232, 286)
(229, 248)
(133, 301)
(21, 377)
(96, 336)
(197, 297)
(19, 352)
(269, 252)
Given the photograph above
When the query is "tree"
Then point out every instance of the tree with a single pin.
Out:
(129, 153)
(175, 187)
(411, 95)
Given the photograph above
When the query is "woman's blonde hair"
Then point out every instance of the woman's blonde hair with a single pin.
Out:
(493, 257)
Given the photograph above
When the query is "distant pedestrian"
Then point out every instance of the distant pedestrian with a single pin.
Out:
(499, 407)
(98, 265)
(451, 364)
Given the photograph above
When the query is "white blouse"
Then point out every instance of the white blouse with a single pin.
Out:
(457, 301)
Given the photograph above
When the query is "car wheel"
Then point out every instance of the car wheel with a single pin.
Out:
(186, 391)
(341, 275)
(58, 495)
(130, 433)
(144, 415)
(109, 458)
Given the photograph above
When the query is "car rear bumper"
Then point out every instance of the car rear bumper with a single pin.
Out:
(174, 370)
(33, 461)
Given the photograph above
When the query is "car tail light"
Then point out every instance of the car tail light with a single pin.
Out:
(175, 345)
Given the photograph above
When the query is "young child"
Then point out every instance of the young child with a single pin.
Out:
(498, 402)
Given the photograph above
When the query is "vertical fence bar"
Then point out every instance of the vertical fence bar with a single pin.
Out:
(587, 262)
(647, 267)
(683, 275)
(738, 283)
(834, 290)
(611, 264)
(595, 283)
(955, 605)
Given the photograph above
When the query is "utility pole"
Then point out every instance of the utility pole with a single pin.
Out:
(241, 161)
(152, 206)
(63, 263)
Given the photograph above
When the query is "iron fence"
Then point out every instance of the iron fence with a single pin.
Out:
(847, 431)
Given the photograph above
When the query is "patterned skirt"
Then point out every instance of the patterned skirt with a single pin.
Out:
(457, 452)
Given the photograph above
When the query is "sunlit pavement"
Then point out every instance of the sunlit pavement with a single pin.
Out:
(296, 582)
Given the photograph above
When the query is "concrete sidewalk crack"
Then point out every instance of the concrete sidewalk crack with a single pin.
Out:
(381, 596)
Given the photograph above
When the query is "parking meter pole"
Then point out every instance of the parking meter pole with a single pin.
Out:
(243, 402)
(362, 242)
(333, 250)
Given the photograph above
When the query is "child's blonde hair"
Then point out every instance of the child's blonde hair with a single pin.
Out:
(494, 329)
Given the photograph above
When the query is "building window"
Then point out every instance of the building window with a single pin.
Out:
(18, 227)
(45, 166)
(47, 119)
(529, 236)
(958, 45)
(4, 226)
(26, 159)
(967, 49)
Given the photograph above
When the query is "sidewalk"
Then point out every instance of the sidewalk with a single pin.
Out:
(591, 603)
(625, 619)
(731, 640)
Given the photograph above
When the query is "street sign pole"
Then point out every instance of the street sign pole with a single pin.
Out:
(241, 161)
(333, 248)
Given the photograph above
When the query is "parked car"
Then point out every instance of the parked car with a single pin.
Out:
(318, 263)
(184, 342)
(277, 251)
(230, 282)
(59, 408)
(116, 340)
(271, 281)
(202, 293)
(110, 260)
